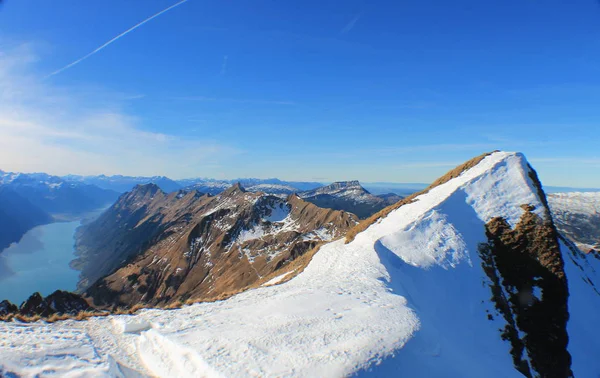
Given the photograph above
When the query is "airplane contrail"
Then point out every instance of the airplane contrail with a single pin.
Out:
(114, 39)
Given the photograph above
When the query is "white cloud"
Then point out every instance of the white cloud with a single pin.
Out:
(60, 130)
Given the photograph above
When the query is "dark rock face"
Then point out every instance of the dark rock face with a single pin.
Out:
(529, 288)
(35, 305)
(7, 308)
(517, 262)
(59, 302)
(64, 302)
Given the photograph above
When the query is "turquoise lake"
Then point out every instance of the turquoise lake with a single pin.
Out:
(39, 262)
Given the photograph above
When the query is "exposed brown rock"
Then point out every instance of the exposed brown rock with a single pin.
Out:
(199, 247)
(517, 260)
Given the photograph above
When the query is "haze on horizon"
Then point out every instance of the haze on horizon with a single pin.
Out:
(314, 91)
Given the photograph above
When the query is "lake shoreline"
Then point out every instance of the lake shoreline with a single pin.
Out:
(44, 259)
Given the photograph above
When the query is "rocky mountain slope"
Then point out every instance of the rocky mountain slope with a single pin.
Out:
(468, 278)
(577, 216)
(17, 216)
(161, 248)
(345, 195)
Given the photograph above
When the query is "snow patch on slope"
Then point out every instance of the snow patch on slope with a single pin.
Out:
(429, 240)
(278, 279)
(278, 212)
(167, 359)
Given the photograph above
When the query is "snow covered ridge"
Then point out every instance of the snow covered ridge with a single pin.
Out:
(397, 301)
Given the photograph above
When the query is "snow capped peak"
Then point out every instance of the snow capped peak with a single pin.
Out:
(498, 186)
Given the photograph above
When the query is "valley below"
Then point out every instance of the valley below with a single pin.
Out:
(42, 260)
(39, 262)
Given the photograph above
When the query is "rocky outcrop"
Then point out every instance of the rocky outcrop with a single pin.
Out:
(60, 303)
(64, 302)
(158, 249)
(7, 308)
(529, 288)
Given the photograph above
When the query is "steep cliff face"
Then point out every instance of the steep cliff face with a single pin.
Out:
(123, 231)
(530, 291)
(165, 248)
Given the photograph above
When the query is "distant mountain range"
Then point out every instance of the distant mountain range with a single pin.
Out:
(57, 195)
(124, 184)
(577, 216)
(346, 195)
(30, 200)
(42, 198)
(17, 216)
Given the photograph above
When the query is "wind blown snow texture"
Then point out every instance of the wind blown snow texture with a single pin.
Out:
(406, 297)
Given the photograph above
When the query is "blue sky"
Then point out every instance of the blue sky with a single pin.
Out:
(397, 91)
